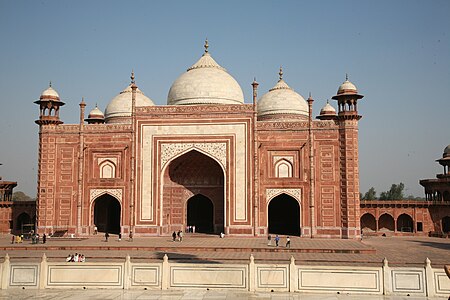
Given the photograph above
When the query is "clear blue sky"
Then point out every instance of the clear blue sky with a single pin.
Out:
(396, 52)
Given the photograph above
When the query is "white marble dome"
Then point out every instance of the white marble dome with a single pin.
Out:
(120, 106)
(328, 109)
(282, 100)
(447, 151)
(96, 113)
(347, 88)
(50, 93)
(205, 83)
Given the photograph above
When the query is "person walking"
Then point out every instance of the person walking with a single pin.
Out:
(277, 240)
(269, 240)
(106, 236)
(120, 236)
(181, 235)
(44, 238)
(174, 236)
(130, 236)
(288, 242)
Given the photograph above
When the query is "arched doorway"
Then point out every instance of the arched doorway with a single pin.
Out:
(404, 223)
(446, 224)
(107, 214)
(24, 223)
(284, 215)
(368, 222)
(200, 213)
(386, 223)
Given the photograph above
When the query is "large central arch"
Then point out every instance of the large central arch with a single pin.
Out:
(284, 215)
(107, 214)
(193, 192)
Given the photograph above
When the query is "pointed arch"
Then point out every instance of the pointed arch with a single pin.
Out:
(107, 213)
(386, 222)
(405, 223)
(107, 169)
(368, 222)
(284, 215)
(200, 213)
(283, 169)
(190, 178)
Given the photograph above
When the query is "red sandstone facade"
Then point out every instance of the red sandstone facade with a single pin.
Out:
(206, 160)
(219, 167)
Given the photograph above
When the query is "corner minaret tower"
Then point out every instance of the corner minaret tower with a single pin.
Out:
(347, 97)
(49, 104)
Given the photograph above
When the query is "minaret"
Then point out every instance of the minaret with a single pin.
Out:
(312, 185)
(347, 118)
(80, 166)
(255, 159)
(133, 149)
(49, 104)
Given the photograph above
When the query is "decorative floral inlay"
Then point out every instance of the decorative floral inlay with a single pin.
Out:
(296, 193)
(117, 193)
(217, 150)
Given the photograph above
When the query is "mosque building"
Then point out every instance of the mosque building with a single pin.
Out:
(206, 159)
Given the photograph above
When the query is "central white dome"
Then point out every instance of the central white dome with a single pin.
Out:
(205, 83)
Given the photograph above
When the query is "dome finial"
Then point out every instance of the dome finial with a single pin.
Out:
(50, 84)
(132, 76)
(281, 73)
(346, 76)
(206, 45)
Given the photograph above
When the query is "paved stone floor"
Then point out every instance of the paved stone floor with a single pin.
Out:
(182, 295)
(400, 251)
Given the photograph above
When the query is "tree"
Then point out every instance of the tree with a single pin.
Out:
(21, 196)
(370, 195)
(395, 193)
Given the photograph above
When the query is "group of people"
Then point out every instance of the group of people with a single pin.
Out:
(277, 241)
(130, 236)
(178, 236)
(75, 258)
(190, 229)
(35, 238)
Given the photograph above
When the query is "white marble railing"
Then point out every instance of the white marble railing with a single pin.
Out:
(413, 281)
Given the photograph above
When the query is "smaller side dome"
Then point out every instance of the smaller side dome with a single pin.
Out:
(327, 112)
(49, 93)
(119, 108)
(282, 102)
(447, 151)
(95, 116)
(347, 88)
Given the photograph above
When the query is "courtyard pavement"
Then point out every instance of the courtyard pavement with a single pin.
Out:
(400, 251)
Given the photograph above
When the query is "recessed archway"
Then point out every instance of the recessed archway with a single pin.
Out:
(446, 224)
(23, 223)
(107, 214)
(284, 216)
(386, 223)
(200, 213)
(405, 223)
(193, 193)
(368, 222)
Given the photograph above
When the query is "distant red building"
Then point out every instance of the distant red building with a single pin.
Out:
(413, 217)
